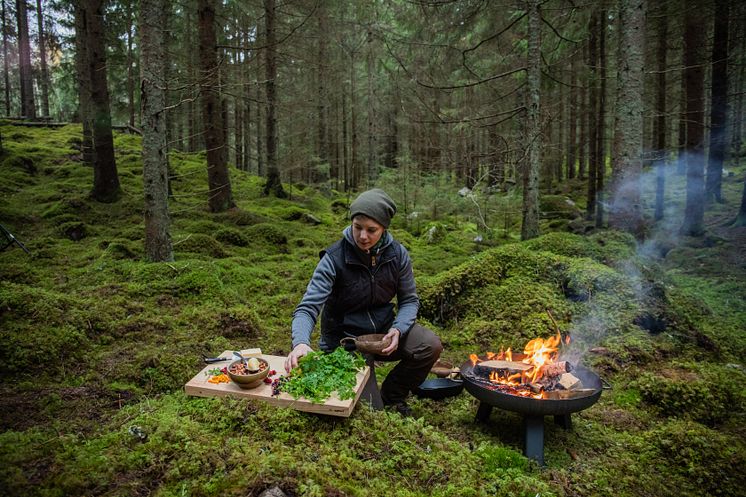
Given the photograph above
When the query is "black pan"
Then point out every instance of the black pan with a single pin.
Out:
(439, 388)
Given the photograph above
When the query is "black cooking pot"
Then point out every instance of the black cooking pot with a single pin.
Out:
(439, 388)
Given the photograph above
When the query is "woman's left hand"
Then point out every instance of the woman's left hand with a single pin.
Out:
(392, 335)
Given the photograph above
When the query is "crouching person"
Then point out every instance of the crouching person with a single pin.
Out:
(355, 283)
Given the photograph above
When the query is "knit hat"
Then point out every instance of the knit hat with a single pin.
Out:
(375, 204)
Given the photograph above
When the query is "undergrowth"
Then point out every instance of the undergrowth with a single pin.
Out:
(97, 344)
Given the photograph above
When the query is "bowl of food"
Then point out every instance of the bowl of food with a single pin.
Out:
(367, 344)
(248, 373)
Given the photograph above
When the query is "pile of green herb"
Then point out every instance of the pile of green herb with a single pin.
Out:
(319, 374)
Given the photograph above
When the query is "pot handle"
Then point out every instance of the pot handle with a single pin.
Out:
(605, 384)
(348, 343)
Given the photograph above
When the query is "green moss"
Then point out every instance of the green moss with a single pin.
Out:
(200, 244)
(706, 462)
(558, 207)
(232, 236)
(268, 233)
(704, 393)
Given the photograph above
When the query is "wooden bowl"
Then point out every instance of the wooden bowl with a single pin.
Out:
(368, 344)
(251, 380)
(441, 369)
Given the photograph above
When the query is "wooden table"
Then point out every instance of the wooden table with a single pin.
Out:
(333, 406)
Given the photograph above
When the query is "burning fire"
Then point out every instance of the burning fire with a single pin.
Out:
(540, 354)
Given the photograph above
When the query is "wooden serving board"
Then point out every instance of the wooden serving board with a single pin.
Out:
(333, 406)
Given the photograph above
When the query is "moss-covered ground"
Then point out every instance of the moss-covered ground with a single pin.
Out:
(96, 345)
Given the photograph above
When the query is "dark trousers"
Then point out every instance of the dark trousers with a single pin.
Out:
(417, 352)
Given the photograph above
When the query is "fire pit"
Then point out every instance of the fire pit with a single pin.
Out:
(532, 386)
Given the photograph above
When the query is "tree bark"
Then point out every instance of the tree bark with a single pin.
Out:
(158, 246)
(28, 109)
(572, 138)
(218, 179)
(530, 214)
(592, 112)
(660, 120)
(6, 71)
(130, 63)
(43, 60)
(105, 178)
(372, 173)
(321, 130)
(84, 84)
(625, 208)
(693, 224)
(273, 184)
(582, 156)
(718, 103)
(601, 135)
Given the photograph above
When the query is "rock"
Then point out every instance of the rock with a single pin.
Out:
(464, 192)
(311, 219)
(273, 492)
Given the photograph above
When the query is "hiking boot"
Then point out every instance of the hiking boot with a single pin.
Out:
(400, 407)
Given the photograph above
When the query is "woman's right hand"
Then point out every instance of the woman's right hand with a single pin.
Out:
(299, 351)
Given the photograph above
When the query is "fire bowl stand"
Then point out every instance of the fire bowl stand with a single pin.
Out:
(533, 430)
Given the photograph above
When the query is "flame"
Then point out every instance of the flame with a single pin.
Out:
(474, 359)
(538, 353)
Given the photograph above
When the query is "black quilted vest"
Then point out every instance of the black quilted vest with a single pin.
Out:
(360, 302)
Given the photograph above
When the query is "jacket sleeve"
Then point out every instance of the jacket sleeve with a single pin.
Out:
(406, 296)
(317, 292)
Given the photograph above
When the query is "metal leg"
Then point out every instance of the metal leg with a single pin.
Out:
(563, 420)
(370, 392)
(533, 438)
(483, 412)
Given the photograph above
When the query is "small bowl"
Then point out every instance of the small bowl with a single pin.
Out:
(441, 368)
(368, 344)
(251, 380)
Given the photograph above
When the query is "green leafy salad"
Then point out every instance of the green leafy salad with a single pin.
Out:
(319, 374)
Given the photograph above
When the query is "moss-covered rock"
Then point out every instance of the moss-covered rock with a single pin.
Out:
(558, 207)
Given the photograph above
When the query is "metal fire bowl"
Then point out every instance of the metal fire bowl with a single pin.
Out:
(535, 407)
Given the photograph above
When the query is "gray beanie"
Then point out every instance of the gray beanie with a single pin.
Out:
(375, 204)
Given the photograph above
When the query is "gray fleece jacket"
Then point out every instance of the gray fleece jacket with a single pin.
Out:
(352, 313)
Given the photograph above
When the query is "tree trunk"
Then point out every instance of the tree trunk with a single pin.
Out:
(220, 195)
(84, 84)
(105, 178)
(660, 120)
(43, 60)
(572, 139)
(601, 135)
(741, 217)
(625, 207)
(681, 162)
(321, 131)
(155, 167)
(582, 162)
(28, 109)
(694, 39)
(6, 71)
(371, 118)
(345, 155)
(592, 113)
(273, 184)
(355, 168)
(737, 120)
(130, 63)
(718, 102)
(530, 211)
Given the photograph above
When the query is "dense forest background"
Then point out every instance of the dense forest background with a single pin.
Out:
(485, 95)
(169, 172)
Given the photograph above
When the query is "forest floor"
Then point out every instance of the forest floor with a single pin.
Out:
(96, 344)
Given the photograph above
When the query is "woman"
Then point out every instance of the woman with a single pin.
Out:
(355, 282)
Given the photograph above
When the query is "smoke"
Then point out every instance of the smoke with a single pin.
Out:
(603, 318)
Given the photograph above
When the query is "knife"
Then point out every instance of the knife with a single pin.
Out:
(211, 360)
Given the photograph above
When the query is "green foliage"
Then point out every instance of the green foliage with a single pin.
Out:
(319, 374)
